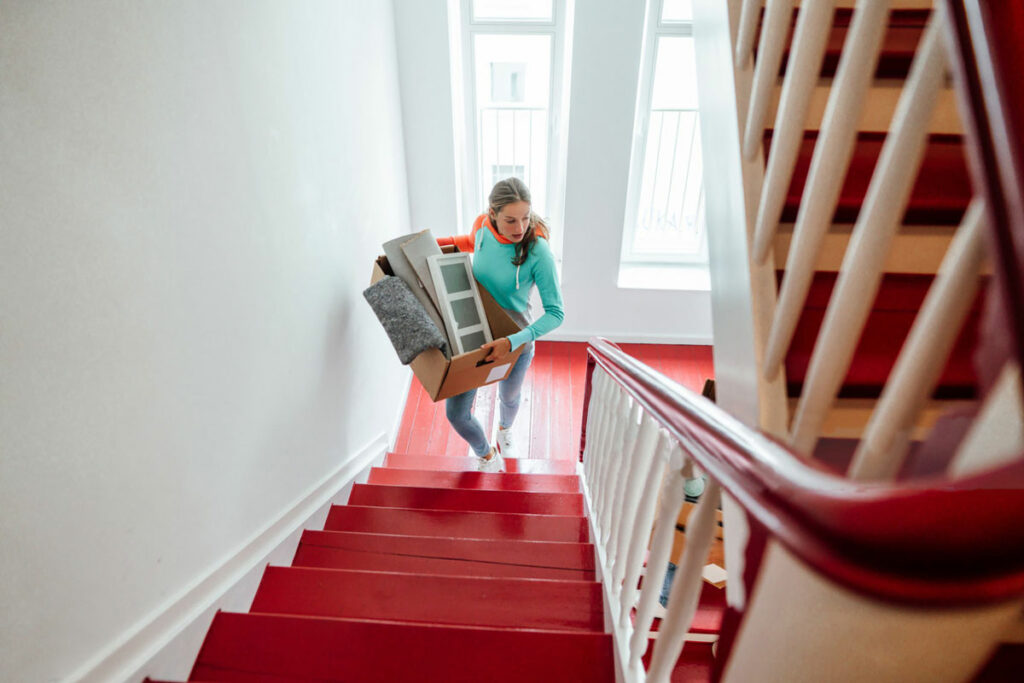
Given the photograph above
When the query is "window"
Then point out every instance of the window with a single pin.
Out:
(508, 10)
(665, 208)
(500, 172)
(511, 54)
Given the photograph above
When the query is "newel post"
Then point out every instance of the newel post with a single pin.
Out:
(586, 403)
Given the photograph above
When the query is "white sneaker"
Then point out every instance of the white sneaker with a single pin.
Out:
(505, 445)
(493, 464)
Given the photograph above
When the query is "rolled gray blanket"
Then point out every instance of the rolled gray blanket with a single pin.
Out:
(406, 322)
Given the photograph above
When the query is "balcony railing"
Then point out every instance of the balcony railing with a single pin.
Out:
(668, 211)
(514, 142)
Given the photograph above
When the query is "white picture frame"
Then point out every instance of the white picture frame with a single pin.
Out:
(461, 308)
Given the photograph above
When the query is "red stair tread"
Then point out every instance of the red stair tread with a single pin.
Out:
(899, 43)
(475, 557)
(695, 664)
(549, 483)
(424, 598)
(465, 499)
(894, 310)
(710, 611)
(939, 196)
(340, 558)
(247, 647)
(453, 464)
(457, 523)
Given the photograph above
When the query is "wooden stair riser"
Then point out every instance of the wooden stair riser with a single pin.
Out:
(247, 647)
(422, 598)
(456, 524)
(419, 497)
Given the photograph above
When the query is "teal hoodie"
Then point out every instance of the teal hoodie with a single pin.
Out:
(510, 285)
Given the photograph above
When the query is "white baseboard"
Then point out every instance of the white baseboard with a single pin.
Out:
(397, 426)
(166, 642)
(631, 338)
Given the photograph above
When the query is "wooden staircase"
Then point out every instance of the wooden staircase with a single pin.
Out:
(866, 165)
(937, 203)
(432, 572)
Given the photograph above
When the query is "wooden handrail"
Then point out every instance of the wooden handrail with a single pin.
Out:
(987, 56)
(932, 542)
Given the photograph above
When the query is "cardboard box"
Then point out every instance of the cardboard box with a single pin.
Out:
(443, 378)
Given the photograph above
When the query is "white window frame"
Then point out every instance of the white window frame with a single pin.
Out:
(654, 30)
(473, 193)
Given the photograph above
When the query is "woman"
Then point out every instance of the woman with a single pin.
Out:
(512, 255)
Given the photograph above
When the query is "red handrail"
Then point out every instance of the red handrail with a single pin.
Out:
(931, 542)
(987, 57)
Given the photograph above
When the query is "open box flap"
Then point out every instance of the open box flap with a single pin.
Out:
(443, 379)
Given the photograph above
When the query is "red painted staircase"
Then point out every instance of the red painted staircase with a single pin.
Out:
(432, 572)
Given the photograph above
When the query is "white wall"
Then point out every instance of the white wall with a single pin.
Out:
(192, 194)
(605, 69)
(421, 33)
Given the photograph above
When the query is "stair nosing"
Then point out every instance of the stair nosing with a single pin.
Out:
(510, 629)
(586, 544)
(447, 510)
(453, 577)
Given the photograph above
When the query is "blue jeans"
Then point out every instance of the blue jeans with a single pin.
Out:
(666, 588)
(459, 409)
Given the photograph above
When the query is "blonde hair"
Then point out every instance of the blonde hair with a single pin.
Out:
(510, 191)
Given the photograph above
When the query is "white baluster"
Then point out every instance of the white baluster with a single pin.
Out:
(595, 425)
(880, 452)
(686, 586)
(778, 15)
(672, 498)
(749, 16)
(596, 420)
(639, 463)
(802, 72)
(620, 469)
(641, 529)
(613, 457)
(879, 218)
(832, 154)
(615, 396)
(590, 426)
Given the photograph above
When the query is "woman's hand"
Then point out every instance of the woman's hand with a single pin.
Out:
(497, 349)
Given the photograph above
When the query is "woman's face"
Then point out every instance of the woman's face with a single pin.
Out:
(513, 220)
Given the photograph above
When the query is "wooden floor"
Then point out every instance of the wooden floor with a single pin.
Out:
(551, 409)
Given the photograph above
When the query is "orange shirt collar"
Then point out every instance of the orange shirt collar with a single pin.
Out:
(484, 219)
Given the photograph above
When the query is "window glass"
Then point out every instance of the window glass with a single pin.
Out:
(465, 312)
(669, 202)
(512, 9)
(677, 10)
(472, 341)
(675, 74)
(513, 90)
(455, 278)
